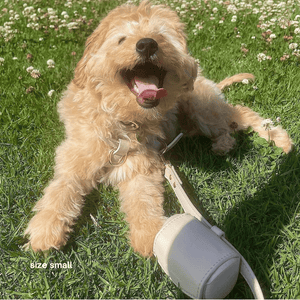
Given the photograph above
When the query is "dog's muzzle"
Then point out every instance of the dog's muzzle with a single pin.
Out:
(146, 79)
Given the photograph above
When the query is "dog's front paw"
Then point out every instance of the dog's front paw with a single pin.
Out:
(46, 230)
(142, 239)
(142, 244)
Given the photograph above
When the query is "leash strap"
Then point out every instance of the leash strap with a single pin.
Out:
(176, 184)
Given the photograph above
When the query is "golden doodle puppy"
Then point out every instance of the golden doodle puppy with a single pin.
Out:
(135, 82)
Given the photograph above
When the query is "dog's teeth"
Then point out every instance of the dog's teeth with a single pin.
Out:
(135, 88)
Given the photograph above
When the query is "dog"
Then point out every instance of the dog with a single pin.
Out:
(134, 84)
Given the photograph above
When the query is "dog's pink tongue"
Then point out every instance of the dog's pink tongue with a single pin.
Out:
(148, 88)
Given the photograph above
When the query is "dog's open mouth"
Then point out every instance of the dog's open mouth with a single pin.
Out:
(145, 81)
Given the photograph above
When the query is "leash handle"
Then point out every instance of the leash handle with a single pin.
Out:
(176, 184)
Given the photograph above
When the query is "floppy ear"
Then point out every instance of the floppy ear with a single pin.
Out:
(92, 45)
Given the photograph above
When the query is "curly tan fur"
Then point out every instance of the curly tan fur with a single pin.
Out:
(98, 106)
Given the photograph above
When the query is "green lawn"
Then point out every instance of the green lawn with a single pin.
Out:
(252, 193)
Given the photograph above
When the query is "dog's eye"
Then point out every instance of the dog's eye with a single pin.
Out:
(121, 40)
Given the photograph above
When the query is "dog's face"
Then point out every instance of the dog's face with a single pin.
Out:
(140, 54)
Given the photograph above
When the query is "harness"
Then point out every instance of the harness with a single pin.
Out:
(118, 157)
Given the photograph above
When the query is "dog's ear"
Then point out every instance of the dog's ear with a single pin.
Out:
(92, 45)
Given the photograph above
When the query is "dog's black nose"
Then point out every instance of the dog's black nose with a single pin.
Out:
(146, 47)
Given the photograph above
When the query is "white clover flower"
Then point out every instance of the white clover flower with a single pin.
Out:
(245, 81)
(221, 22)
(293, 46)
(297, 30)
(35, 74)
(273, 36)
(72, 25)
(68, 4)
(41, 39)
(253, 37)
(263, 26)
(232, 9)
(51, 11)
(267, 124)
(30, 69)
(261, 57)
(50, 93)
(14, 58)
(64, 13)
(66, 16)
(50, 63)
(215, 10)
(262, 17)
(84, 9)
(1, 61)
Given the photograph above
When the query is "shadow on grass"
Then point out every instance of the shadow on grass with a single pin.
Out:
(271, 208)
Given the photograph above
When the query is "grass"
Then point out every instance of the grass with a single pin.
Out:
(252, 194)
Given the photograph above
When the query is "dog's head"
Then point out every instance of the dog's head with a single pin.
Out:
(141, 53)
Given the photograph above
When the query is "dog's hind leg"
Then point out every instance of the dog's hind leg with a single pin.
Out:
(244, 117)
(205, 111)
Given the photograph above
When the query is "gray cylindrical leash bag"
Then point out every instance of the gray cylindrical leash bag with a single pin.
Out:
(196, 255)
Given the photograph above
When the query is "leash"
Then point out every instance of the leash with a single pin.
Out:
(176, 184)
(118, 157)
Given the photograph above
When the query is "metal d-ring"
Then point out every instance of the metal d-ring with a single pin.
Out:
(121, 151)
(120, 162)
